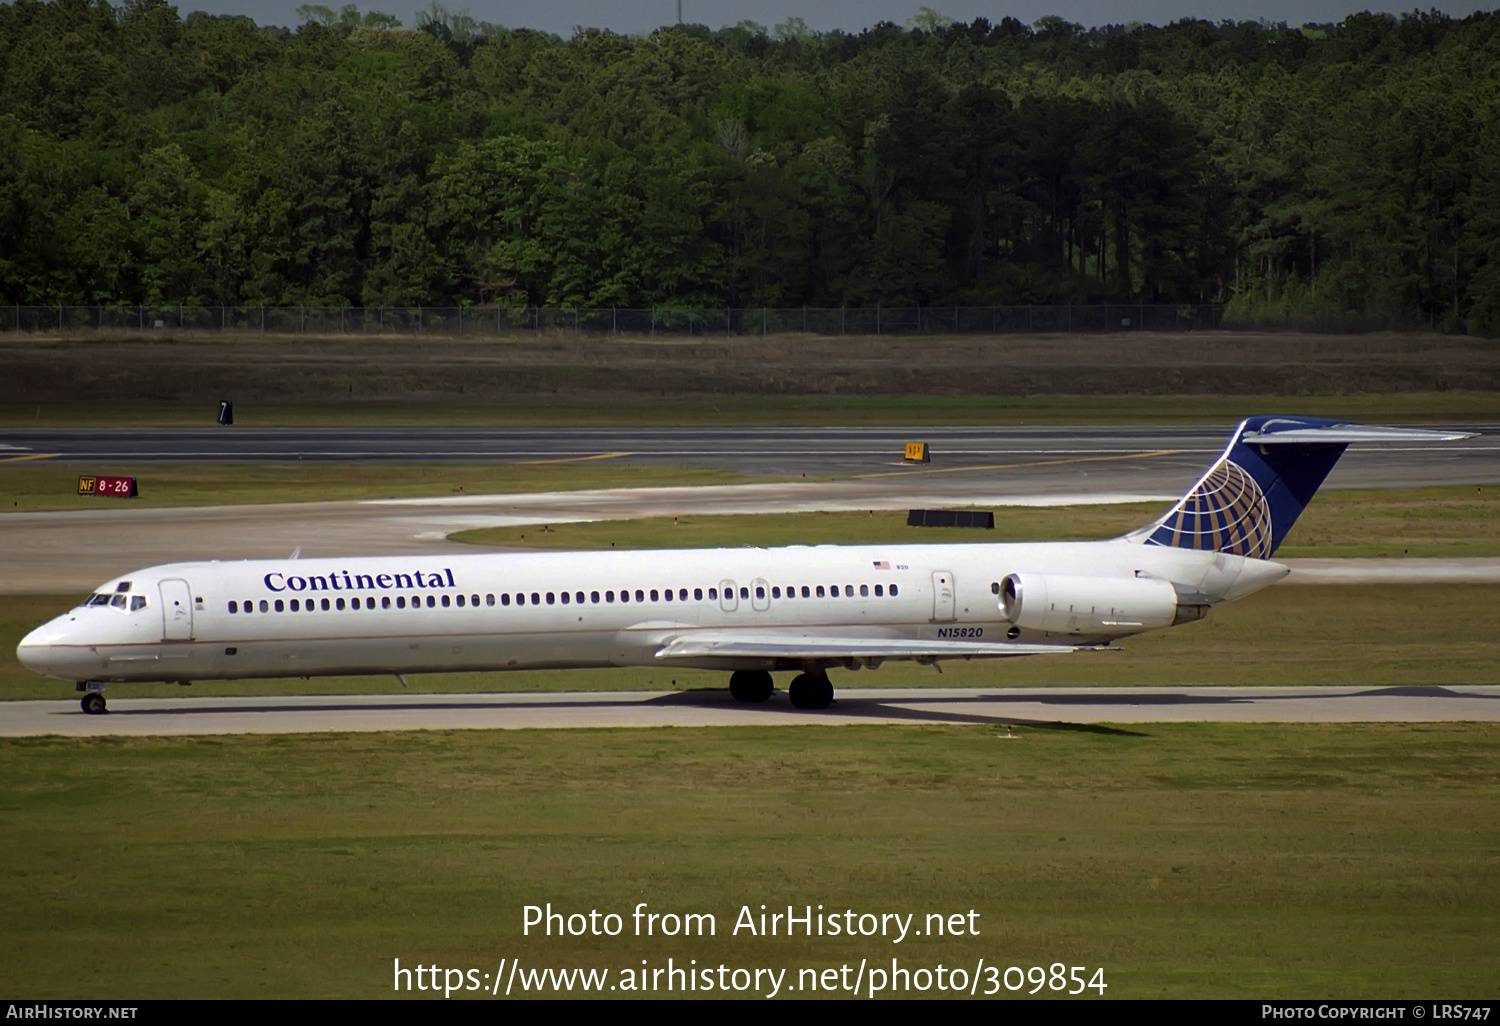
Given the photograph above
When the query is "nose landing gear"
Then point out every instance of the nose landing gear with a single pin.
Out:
(93, 704)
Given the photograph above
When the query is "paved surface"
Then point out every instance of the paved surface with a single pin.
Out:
(1021, 706)
(817, 452)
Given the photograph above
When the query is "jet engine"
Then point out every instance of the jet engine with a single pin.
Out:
(1073, 604)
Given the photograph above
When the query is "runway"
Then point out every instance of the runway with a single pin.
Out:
(785, 452)
(713, 708)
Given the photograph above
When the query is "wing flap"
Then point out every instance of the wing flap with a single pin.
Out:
(705, 644)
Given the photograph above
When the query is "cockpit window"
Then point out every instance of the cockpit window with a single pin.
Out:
(122, 587)
(101, 599)
(119, 601)
(137, 602)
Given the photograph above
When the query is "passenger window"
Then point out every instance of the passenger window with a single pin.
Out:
(280, 608)
(893, 591)
(339, 603)
(234, 607)
(536, 599)
(594, 597)
(655, 596)
(265, 607)
(864, 590)
(806, 595)
(400, 601)
(432, 602)
(489, 600)
(682, 595)
(551, 599)
(385, 602)
(473, 600)
(354, 603)
(713, 593)
(460, 600)
(820, 591)
(744, 592)
(640, 596)
(609, 596)
(879, 591)
(295, 606)
(565, 598)
(994, 587)
(776, 592)
(325, 605)
(578, 598)
(848, 591)
(697, 594)
(667, 594)
(520, 598)
(760, 591)
(445, 601)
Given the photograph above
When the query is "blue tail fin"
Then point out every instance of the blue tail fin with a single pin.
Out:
(1250, 498)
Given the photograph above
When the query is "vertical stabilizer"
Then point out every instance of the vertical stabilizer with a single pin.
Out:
(1247, 502)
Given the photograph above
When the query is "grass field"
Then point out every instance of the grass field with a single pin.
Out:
(1185, 860)
(1423, 634)
(762, 410)
(1456, 521)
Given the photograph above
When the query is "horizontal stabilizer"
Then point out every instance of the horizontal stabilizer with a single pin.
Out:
(719, 644)
(1349, 434)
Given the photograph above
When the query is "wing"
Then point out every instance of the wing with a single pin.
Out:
(736, 644)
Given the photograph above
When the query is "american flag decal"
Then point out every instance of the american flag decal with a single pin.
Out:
(881, 564)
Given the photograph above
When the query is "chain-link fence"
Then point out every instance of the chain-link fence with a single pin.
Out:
(674, 321)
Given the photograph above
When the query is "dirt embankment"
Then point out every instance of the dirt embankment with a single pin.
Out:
(289, 369)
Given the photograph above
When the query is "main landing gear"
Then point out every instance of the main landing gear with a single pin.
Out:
(750, 685)
(809, 690)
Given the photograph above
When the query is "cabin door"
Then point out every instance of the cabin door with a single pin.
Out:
(943, 603)
(176, 611)
(760, 595)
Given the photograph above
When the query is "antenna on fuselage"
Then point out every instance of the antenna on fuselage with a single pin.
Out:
(295, 552)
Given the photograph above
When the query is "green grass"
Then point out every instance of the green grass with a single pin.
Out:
(40, 485)
(531, 411)
(1185, 860)
(1455, 521)
(1421, 634)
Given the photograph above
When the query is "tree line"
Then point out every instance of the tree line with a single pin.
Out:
(147, 157)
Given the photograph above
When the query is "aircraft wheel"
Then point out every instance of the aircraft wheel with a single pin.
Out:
(810, 692)
(750, 685)
(93, 704)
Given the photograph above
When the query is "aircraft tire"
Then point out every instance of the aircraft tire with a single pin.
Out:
(93, 704)
(751, 685)
(810, 692)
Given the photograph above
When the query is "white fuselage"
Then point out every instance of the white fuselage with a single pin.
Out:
(512, 611)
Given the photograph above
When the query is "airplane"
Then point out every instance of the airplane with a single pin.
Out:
(750, 611)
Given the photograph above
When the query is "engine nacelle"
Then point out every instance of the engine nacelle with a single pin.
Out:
(1072, 604)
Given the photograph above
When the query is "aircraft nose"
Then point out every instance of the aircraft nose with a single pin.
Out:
(35, 650)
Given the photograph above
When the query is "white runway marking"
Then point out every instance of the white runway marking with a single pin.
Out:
(713, 708)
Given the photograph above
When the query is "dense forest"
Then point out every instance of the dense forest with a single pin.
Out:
(148, 157)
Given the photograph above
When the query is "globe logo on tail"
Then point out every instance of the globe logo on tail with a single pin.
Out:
(1227, 512)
